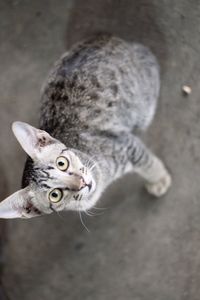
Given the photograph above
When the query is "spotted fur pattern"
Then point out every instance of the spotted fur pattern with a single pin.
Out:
(93, 102)
(96, 96)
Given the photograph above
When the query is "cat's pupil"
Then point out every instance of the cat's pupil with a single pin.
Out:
(61, 163)
(54, 195)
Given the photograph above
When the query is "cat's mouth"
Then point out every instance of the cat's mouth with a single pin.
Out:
(87, 185)
(91, 186)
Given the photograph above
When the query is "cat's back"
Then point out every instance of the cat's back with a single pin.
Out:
(103, 83)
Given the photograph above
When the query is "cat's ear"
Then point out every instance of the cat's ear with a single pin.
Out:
(31, 139)
(18, 205)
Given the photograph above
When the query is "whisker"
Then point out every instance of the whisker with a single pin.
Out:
(88, 214)
(93, 166)
(82, 221)
(90, 162)
(100, 208)
(92, 214)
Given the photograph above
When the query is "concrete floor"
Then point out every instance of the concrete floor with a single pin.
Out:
(139, 248)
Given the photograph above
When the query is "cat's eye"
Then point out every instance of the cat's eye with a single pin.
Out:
(62, 163)
(55, 195)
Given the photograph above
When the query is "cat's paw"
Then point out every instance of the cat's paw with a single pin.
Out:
(159, 188)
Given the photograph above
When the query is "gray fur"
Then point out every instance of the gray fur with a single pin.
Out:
(95, 98)
(98, 94)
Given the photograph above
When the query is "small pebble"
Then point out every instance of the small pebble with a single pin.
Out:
(186, 90)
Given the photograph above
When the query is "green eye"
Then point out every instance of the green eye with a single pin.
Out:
(55, 195)
(62, 163)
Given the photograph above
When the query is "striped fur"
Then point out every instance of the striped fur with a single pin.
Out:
(94, 100)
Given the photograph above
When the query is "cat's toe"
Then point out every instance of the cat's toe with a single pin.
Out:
(160, 188)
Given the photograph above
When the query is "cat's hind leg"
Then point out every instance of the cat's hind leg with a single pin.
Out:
(150, 167)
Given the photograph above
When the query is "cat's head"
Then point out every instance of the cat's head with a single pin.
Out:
(56, 178)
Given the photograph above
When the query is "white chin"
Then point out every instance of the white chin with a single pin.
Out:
(86, 204)
(89, 200)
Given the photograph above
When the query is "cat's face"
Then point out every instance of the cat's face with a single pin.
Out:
(58, 178)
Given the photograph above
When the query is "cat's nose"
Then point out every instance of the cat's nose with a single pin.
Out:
(76, 182)
(82, 183)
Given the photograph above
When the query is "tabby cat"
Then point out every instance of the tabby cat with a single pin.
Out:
(95, 98)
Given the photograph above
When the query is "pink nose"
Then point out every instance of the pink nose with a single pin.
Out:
(82, 183)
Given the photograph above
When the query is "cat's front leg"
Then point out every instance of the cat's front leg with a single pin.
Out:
(150, 167)
(160, 186)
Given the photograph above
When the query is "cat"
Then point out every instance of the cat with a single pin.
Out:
(95, 99)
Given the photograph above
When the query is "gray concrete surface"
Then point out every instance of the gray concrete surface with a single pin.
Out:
(139, 248)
